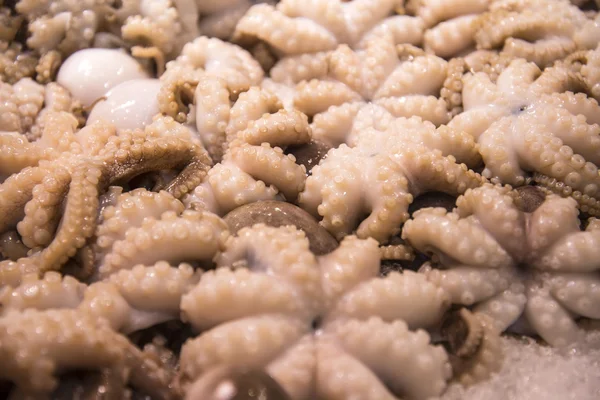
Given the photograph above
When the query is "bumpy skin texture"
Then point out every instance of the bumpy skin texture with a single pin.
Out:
(26, 105)
(331, 87)
(254, 166)
(590, 72)
(392, 161)
(129, 300)
(172, 236)
(38, 344)
(80, 166)
(450, 25)
(531, 121)
(506, 262)
(256, 310)
(67, 26)
(293, 27)
(540, 31)
(212, 57)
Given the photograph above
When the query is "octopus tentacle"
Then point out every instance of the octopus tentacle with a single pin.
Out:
(469, 285)
(450, 37)
(393, 290)
(263, 338)
(577, 292)
(537, 277)
(18, 154)
(279, 251)
(48, 292)
(129, 300)
(576, 104)
(353, 262)
(412, 348)
(42, 212)
(328, 182)
(551, 321)
(70, 339)
(337, 375)
(15, 192)
(129, 210)
(172, 238)
(143, 296)
(465, 243)
(251, 161)
(294, 369)
(217, 58)
(239, 293)
(505, 308)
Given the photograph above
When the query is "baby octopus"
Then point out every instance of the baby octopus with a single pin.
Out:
(295, 27)
(531, 121)
(393, 160)
(36, 345)
(26, 105)
(450, 25)
(511, 253)
(322, 327)
(540, 31)
(331, 87)
(75, 167)
(254, 166)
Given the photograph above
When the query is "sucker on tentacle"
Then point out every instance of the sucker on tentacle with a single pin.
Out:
(510, 253)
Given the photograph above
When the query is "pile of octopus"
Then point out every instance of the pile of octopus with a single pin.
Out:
(322, 199)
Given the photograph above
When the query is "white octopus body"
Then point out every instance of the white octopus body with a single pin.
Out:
(393, 160)
(521, 124)
(390, 76)
(451, 25)
(296, 27)
(269, 288)
(506, 262)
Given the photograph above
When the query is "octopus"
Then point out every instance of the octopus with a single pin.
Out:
(38, 344)
(65, 26)
(370, 186)
(254, 166)
(319, 326)
(202, 86)
(75, 167)
(517, 256)
(26, 105)
(450, 27)
(224, 199)
(586, 64)
(122, 240)
(532, 121)
(331, 87)
(18, 62)
(540, 31)
(293, 28)
(219, 19)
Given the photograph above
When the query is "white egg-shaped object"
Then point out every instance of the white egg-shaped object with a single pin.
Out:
(130, 105)
(88, 74)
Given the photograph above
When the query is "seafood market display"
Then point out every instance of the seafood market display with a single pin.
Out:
(294, 199)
